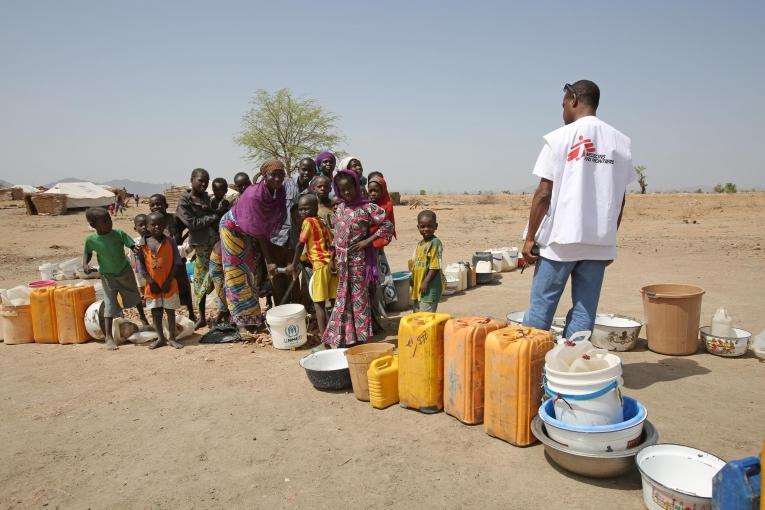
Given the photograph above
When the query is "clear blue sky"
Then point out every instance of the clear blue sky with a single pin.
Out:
(445, 96)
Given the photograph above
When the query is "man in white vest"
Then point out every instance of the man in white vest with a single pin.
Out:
(584, 169)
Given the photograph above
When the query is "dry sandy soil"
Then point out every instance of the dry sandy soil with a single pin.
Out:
(240, 426)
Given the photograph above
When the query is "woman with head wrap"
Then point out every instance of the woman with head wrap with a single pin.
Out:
(385, 293)
(355, 260)
(326, 162)
(245, 233)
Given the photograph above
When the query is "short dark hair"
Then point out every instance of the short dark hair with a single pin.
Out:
(199, 171)
(310, 160)
(309, 197)
(95, 213)
(159, 196)
(241, 175)
(139, 217)
(220, 181)
(158, 216)
(372, 174)
(427, 213)
(587, 92)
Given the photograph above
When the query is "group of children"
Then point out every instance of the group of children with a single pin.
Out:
(342, 228)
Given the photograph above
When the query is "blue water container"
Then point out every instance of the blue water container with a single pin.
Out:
(737, 486)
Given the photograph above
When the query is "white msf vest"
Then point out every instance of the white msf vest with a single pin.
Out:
(593, 166)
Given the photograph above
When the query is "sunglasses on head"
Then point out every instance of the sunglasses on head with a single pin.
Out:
(570, 89)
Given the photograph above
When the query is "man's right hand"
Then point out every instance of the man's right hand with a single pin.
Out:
(87, 269)
(528, 256)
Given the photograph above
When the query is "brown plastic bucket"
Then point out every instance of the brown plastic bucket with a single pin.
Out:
(672, 316)
(359, 357)
(17, 324)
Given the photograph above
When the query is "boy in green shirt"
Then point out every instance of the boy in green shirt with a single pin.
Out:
(117, 276)
(428, 281)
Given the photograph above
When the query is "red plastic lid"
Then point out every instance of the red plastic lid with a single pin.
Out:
(42, 283)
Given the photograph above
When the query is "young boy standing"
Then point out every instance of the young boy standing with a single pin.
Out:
(428, 281)
(316, 238)
(219, 203)
(322, 185)
(117, 277)
(140, 225)
(157, 261)
(174, 228)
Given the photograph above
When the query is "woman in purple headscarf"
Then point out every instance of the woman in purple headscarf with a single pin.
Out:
(355, 260)
(245, 232)
(326, 162)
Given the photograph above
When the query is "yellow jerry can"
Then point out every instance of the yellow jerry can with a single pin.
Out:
(515, 359)
(421, 361)
(382, 377)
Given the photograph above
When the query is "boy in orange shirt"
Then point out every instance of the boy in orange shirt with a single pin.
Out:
(157, 262)
(316, 239)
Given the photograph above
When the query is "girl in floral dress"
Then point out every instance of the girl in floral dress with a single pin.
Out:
(355, 260)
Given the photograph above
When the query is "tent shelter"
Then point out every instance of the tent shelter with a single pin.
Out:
(80, 195)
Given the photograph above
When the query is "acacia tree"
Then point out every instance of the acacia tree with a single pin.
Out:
(640, 171)
(286, 128)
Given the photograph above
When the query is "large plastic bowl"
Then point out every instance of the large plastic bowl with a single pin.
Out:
(590, 464)
(597, 438)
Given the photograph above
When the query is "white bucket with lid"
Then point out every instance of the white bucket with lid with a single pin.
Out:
(288, 326)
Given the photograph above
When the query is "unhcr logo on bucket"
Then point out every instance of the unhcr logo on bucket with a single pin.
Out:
(291, 332)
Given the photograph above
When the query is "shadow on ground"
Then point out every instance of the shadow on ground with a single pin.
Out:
(645, 373)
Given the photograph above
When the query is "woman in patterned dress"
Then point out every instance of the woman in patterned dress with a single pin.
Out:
(245, 231)
(355, 260)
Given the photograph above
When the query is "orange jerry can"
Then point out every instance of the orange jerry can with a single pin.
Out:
(71, 304)
(421, 361)
(464, 341)
(515, 359)
(43, 307)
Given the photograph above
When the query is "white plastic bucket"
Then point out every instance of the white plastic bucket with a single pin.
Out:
(577, 403)
(47, 271)
(287, 325)
(676, 476)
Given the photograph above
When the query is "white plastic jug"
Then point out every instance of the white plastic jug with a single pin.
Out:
(758, 345)
(722, 323)
(458, 272)
(47, 271)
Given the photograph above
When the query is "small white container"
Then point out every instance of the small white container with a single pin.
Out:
(677, 476)
(288, 326)
(47, 271)
(722, 323)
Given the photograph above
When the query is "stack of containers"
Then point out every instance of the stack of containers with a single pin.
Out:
(586, 410)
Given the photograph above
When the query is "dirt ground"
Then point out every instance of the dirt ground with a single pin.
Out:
(240, 426)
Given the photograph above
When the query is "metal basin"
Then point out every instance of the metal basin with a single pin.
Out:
(327, 370)
(592, 464)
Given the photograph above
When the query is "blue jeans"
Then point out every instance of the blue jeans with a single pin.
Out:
(550, 279)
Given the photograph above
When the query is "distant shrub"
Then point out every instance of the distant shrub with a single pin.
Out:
(728, 187)
(422, 192)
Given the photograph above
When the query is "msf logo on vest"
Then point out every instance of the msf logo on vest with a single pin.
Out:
(585, 149)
